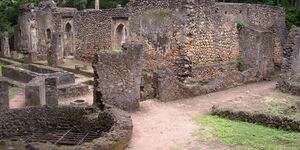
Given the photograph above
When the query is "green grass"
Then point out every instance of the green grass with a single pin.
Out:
(1, 65)
(245, 136)
(298, 80)
(283, 108)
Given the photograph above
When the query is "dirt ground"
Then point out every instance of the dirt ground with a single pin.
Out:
(169, 126)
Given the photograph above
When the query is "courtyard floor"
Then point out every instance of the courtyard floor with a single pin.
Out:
(170, 126)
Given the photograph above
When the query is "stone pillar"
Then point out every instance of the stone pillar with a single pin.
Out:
(30, 57)
(4, 99)
(118, 77)
(97, 4)
(35, 93)
(51, 92)
(5, 50)
(55, 54)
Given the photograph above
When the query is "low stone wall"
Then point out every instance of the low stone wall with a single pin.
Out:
(169, 88)
(280, 122)
(290, 85)
(26, 73)
(73, 91)
(4, 99)
(114, 124)
(17, 74)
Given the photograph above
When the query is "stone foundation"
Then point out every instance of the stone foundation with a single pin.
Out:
(40, 128)
(4, 95)
(291, 85)
(169, 88)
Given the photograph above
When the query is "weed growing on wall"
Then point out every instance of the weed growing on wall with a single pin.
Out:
(1, 65)
(240, 26)
(241, 64)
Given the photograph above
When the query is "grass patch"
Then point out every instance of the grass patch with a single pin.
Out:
(275, 75)
(285, 108)
(298, 80)
(1, 65)
(245, 136)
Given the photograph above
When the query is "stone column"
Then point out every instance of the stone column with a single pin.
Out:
(5, 50)
(35, 93)
(51, 92)
(55, 54)
(97, 4)
(4, 99)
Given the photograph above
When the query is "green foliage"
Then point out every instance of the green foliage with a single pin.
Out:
(298, 80)
(281, 108)
(1, 65)
(240, 26)
(241, 64)
(245, 135)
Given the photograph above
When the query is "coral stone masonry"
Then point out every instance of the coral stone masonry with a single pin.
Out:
(118, 76)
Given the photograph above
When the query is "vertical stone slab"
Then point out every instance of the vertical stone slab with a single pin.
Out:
(257, 49)
(97, 4)
(55, 54)
(4, 98)
(51, 91)
(291, 54)
(35, 93)
(118, 77)
(5, 49)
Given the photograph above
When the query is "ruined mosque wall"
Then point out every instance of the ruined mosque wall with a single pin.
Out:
(203, 33)
(22, 32)
(94, 31)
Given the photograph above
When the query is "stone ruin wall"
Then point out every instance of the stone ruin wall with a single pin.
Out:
(204, 34)
(37, 25)
(291, 54)
(94, 31)
(118, 77)
(193, 38)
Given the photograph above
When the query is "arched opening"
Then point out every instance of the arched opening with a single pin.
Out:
(48, 33)
(121, 35)
(68, 40)
(68, 27)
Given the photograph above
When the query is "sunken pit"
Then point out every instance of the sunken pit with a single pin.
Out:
(64, 128)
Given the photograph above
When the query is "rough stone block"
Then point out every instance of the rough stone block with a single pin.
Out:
(51, 91)
(257, 49)
(5, 50)
(35, 93)
(4, 95)
(118, 77)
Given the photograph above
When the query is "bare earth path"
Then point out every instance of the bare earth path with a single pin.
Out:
(169, 126)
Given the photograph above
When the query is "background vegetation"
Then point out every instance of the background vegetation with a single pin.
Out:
(9, 9)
